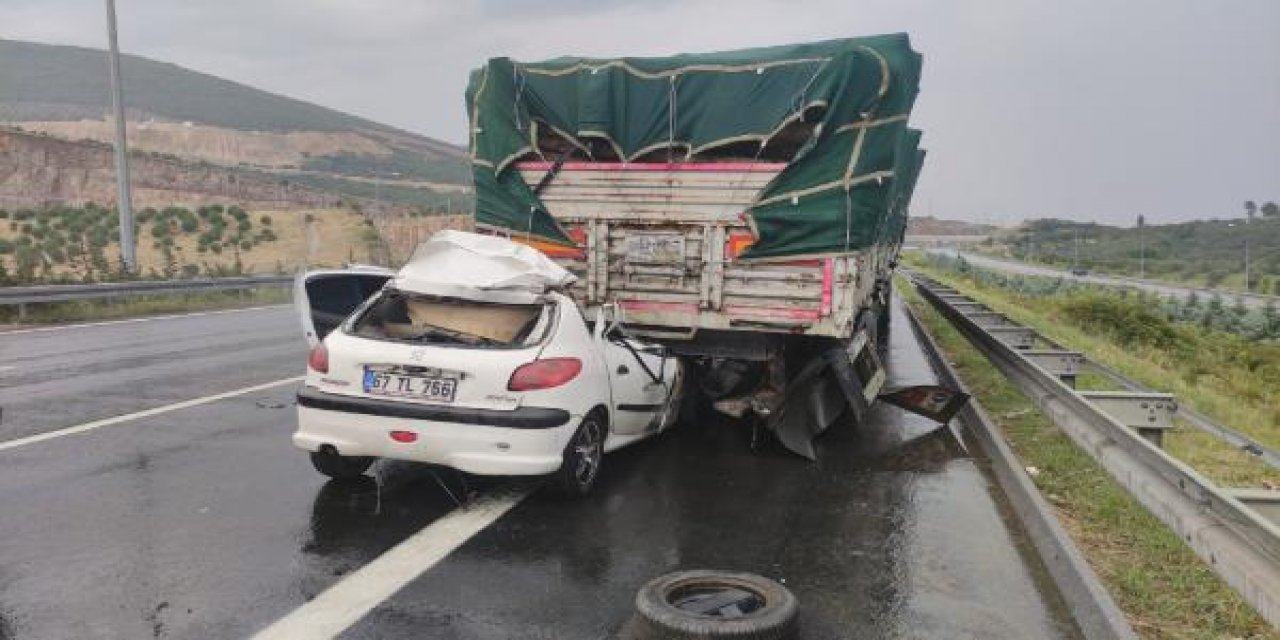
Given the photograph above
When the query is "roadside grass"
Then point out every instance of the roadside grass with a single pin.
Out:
(1160, 584)
(302, 238)
(137, 306)
(1214, 382)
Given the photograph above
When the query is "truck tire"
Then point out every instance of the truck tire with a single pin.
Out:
(882, 314)
(869, 321)
(673, 607)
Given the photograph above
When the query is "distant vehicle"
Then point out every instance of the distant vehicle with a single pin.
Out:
(469, 357)
(1079, 271)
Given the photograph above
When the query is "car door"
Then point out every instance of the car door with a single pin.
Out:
(637, 396)
(324, 299)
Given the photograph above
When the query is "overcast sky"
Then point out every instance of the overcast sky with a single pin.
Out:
(1084, 109)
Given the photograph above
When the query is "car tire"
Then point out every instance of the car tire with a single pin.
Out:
(339, 467)
(659, 616)
(580, 467)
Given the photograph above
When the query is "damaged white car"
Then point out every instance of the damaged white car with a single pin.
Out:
(471, 357)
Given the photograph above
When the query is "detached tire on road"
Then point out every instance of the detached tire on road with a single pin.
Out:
(706, 605)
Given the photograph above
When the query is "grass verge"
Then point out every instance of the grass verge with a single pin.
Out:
(1216, 385)
(1160, 584)
(136, 306)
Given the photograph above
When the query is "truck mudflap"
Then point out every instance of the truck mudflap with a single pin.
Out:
(849, 378)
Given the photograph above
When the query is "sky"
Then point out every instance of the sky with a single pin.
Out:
(1094, 110)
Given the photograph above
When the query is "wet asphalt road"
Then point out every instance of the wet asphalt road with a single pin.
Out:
(206, 523)
(51, 378)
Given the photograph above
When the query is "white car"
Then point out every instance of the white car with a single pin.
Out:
(445, 362)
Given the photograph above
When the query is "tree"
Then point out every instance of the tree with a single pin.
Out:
(1250, 208)
(1272, 318)
(1270, 210)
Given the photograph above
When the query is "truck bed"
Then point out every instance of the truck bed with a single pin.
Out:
(662, 241)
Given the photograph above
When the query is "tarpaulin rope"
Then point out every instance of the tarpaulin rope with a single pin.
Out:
(671, 116)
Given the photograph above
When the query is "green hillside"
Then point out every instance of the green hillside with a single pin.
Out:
(1204, 252)
(63, 92)
(53, 82)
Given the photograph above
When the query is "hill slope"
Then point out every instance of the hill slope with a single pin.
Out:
(63, 91)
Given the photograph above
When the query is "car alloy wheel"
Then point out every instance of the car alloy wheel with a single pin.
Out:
(582, 458)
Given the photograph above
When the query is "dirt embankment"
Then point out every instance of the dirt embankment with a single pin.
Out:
(38, 170)
(219, 145)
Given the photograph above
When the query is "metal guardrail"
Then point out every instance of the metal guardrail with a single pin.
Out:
(1232, 437)
(23, 296)
(1236, 541)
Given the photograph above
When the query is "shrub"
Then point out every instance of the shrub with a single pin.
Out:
(1131, 323)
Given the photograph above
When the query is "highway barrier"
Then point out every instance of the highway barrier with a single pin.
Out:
(1235, 531)
(25, 295)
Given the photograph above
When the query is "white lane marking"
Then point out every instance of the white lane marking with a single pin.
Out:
(173, 316)
(344, 603)
(106, 422)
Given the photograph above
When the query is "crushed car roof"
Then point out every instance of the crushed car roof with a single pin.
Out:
(458, 264)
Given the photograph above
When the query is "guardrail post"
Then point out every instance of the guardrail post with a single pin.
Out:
(22, 312)
(1150, 414)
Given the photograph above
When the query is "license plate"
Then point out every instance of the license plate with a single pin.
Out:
(655, 247)
(402, 385)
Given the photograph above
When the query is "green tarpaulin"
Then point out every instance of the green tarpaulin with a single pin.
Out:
(835, 111)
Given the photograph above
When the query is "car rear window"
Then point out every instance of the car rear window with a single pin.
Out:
(420, 319)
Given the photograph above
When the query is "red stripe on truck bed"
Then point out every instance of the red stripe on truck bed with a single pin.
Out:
(740, 310)
(730, 167)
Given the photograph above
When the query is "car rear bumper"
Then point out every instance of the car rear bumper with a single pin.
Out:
(518, 418)
(528, 441)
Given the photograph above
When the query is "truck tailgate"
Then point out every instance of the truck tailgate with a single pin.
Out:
(661, 240)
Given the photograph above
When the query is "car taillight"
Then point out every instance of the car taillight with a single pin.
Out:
(544, 374)
(318, 361)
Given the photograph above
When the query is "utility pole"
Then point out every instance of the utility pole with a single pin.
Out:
(1247, 218)
(1076, 260)
(124, 199)
(1142, 250)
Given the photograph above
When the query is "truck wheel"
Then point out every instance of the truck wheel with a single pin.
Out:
(869, 321)
(882, 314)
(693, 400)
(339, 467)
(714, 604)
(582, 457)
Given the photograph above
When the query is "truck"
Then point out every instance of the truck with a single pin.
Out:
(743, 208)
